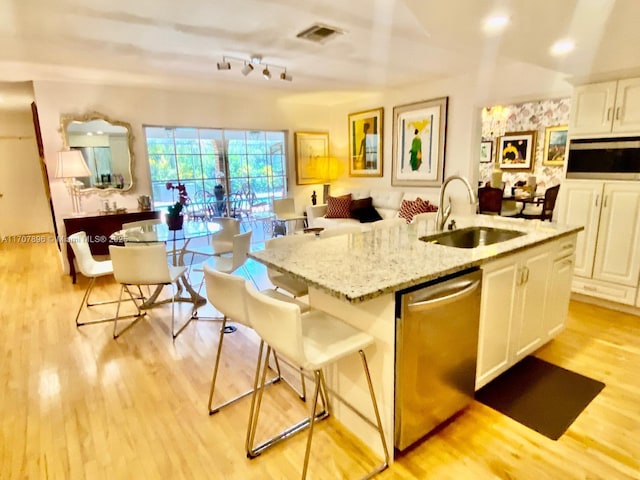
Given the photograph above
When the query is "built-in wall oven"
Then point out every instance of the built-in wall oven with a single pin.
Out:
(604, 158)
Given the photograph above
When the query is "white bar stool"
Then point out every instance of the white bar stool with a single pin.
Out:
(310, 341)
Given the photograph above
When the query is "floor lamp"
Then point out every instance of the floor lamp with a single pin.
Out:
(71, 165)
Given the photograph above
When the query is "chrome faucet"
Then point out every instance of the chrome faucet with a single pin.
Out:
(443, 214)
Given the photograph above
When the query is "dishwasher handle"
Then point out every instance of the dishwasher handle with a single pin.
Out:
(446, 296)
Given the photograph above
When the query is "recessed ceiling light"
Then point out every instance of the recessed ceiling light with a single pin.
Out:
(562, 47)
(495, 23)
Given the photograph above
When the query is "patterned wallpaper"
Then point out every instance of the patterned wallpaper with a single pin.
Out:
(523, 117)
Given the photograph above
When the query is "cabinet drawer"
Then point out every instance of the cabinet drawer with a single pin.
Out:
(607, 291)
(564, 248)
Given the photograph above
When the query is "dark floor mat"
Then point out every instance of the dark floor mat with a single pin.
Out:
(540, 395)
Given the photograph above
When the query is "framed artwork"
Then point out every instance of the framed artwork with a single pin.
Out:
(419, 131)
(486, 152)
(365, 143)
(312, 157)
(555, 145)
(516, 150)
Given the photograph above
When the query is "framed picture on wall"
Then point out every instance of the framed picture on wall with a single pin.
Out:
(419, 132)
(486, 151)
(555, 145)
(516, 150)
(365, 143)
(312, 157)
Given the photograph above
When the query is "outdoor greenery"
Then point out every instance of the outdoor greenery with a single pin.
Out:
(255, 160)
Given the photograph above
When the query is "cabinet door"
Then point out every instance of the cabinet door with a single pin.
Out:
(580, 205)
(558, 296)
(531, 294)
(626, 116)
(496, 310)
(618, 256)
(592, 108)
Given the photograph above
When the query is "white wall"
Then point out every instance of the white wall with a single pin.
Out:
(24, 207)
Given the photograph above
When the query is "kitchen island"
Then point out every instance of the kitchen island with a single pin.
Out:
(356, 278)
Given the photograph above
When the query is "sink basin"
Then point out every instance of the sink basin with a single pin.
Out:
(472, 237)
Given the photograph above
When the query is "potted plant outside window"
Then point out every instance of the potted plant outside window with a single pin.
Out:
(175, 217)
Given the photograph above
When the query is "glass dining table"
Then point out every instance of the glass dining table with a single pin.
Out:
(178, 241)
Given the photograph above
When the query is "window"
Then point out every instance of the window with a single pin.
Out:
(250, 164)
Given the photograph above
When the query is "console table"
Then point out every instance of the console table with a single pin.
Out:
(98, 228)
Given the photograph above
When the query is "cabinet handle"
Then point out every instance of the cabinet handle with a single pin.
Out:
(568, 262)
(520, 276)
(526, 277)
(618, 113)
(609, 114)
(567, 246)
(597, 199)
(605, 201)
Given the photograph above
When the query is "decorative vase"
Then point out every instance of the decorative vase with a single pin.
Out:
(175, 223)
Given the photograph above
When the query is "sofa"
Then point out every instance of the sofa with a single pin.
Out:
(387, 204)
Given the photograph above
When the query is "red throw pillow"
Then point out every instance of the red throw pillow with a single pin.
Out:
(409, 208)
(339, 207)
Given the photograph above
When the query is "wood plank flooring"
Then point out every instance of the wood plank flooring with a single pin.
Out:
(78, 405)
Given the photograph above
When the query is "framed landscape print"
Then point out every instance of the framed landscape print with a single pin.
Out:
(516, 150)
(419, 132)
(486, 152)
(312, 154)
(365, 143)
(555, 145)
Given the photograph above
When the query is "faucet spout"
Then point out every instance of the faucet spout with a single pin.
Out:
(442, 215)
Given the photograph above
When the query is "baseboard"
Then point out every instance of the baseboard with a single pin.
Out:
(605, 303)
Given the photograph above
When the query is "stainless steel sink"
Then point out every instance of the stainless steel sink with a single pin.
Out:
(472, 237)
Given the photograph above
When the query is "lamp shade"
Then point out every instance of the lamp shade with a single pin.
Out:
(71, 164)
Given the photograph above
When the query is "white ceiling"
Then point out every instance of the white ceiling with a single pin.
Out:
(387, 43)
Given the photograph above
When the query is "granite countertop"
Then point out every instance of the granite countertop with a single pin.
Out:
(359, 267)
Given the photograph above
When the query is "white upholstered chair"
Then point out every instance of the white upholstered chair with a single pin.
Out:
(92, 269)
(227, 293)
(285, 211)
(143, 265)
(311, 341)
(285, 281)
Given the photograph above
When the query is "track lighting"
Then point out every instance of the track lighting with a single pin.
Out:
(250, 65)
(247, 69)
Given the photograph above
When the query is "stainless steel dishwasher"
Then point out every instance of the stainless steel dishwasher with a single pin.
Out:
(436, 349)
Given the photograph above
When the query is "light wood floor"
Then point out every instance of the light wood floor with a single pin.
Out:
(77, 404)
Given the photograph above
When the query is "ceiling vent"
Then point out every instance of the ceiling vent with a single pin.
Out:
(320, 33)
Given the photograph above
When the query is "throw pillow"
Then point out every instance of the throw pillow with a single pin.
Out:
(409, 208)
(338, 207)
(366, 214)
(359, 203)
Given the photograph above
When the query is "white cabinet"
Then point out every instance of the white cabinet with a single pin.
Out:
(525, 299)
(607, 107)
(607, 253)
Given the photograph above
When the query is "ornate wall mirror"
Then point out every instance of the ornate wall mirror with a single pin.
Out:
(107, 147)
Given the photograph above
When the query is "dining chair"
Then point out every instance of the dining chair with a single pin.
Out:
(90, 268)
(489, 201)
(143, 265)
(222, 241)
(312, 341)
(285, 281)
(543, 209)
(285, 211)
(227, 294)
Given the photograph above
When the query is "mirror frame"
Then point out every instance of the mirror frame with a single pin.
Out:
(67, 119)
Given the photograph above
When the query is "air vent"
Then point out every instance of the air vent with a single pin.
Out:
(319, 33)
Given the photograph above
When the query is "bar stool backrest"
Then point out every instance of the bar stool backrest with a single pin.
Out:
(227, 293)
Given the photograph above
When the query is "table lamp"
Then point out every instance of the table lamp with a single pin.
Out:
(71, 165)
